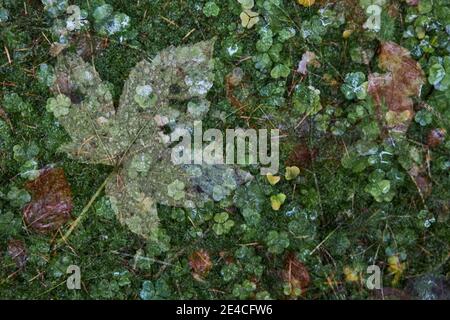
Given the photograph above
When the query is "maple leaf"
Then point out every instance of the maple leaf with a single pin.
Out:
(51, 202)
(395, 89)
(135, 137)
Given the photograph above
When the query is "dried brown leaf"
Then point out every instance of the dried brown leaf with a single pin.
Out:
(51, 203)
(18, 252)
(200, 263)
(295, 274)
(395, 89)
(301, 156)
(422, 182)
(436, 137)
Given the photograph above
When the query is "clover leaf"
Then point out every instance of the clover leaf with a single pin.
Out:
(247, 4)
(280, 71)
(277, 201)
(249, 18)
(292, 172)
(380, 190)
(223, 224)
(355, 86)
(439, 74)
(273, 180)
(59, 106)
(423, 117)
(277, 241)
(306, 99)
(211, 9)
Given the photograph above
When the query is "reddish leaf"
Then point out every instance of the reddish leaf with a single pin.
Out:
(18, 252)
(295, 273)
(423, 184)
(301, 156)
(51, 203)
(200, 263)
(395, 89)
(421, 181)
(436, 137)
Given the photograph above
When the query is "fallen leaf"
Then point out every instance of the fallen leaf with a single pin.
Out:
(347, 33)
(396, 268)
(306, 3)
(351, 275)
(395, 89)
(277, 201)
(51, 203)
(295, 274)
(301, 156)
(18, 252)
(422, 182)
(273, 180)
(291, 173)
(200, 263)
(436, 137)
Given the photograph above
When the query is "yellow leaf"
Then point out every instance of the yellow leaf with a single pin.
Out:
(396, 268)
(292, 172)
(350, 275)
(273, 180)
(277, 201)
(306, 3)
(347, 33)
(249, 18)
(396, 118)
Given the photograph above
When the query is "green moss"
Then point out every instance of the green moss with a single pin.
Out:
(352, 205)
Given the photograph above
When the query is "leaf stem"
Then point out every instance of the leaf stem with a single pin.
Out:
(86, 208)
